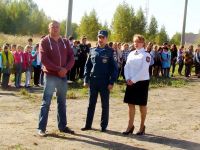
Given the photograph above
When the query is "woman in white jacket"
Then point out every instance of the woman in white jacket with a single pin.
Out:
(137, 78)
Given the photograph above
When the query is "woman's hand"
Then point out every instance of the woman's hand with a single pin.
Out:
(129, 82)
(110, 87)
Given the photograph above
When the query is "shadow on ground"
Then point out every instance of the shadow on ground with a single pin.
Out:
(177, 143)
(97, 142)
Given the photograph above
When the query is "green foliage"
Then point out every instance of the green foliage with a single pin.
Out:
(22, 17)
(140, 22)
(152, 29)
(74, 29)
(2, 15)
(123, 24)
(89, 26)
(105, 27)
(176, 39)
(162, 36)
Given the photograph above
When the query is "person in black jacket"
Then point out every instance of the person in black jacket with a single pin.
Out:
(173, 58)
(83, 52)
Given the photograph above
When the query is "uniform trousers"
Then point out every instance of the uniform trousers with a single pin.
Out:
(98, 86)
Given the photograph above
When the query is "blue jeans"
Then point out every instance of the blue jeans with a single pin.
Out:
(50, 84)
(98, 86)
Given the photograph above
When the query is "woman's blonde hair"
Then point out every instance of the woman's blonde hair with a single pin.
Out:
(139, 37)
(26, 47)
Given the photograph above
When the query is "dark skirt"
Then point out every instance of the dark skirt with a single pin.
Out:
(137, 93)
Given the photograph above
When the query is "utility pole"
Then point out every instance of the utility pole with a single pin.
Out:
(147, 10)
(69, 18)
(184, 24)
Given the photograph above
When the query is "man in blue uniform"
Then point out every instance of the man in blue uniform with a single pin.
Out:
(100, 74)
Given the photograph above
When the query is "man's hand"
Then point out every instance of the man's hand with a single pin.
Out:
(86, 85)
(62, 73)
(110, 87)
(129, 82)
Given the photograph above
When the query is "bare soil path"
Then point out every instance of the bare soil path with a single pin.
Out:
(173, 122)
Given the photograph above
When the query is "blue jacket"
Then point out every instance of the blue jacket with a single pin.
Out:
(34, 62)
(166, 59)
(0, 60)
(101, 65)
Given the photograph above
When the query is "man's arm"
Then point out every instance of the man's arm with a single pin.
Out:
(114, 70)
(87, 69)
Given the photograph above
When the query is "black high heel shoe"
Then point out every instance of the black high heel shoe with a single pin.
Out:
(129, 132)
(141, 132)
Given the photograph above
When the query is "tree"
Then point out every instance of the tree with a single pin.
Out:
(162, 36)
(74, 29)
(22, 17)
(2, 15)
(152, 29)
(123, 24)
(105, 27)
(198, 39)
(140, 22)
(176, 39)
(89, 26)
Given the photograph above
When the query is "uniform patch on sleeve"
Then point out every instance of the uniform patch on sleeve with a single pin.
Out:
(148, 59)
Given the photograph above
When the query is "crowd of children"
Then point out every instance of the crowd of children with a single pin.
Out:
(14, 59)
(164, 58)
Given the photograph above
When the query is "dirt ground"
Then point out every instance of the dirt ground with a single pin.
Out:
(173, 122)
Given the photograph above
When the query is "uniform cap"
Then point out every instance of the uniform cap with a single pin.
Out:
(103, 33)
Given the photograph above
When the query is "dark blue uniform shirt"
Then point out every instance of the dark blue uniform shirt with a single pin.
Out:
(101, 65)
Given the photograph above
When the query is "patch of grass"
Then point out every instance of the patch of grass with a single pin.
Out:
(17, 39)
(196, 127)
(17, 147)
(76, 90)
(28, 96)
(71, 95)
(24, 92)
(167, 82)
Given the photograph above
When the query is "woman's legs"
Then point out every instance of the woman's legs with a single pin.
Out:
(143, 113)
(173, 67)
(131, 116)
